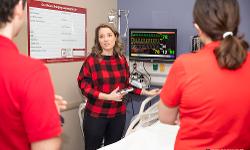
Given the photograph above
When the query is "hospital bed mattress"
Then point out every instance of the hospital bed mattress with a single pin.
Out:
(155, 137)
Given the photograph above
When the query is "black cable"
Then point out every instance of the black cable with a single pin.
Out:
(137, 75)
(147, 73)
(134, 70)
(134, 65)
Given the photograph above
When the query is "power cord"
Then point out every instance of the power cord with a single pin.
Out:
(148, 75)
(142, 78)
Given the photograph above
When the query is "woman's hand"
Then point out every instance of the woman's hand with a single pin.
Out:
(151, 92)
(177, 121)
(115, 95)
(61, 104)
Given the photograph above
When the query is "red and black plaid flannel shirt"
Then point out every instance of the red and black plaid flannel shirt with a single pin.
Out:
(104, 75)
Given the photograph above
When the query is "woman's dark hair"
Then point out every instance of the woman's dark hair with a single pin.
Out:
(97, 49)
(215, 17)
(7, 10)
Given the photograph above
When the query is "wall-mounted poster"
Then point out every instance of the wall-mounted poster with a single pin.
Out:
(56, 33)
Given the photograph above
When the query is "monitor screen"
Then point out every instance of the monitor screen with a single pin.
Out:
(153, 45)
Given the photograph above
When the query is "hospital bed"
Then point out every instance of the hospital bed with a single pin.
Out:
(145, 132)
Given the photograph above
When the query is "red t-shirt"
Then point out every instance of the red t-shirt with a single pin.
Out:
(214, 103)
(28, 112)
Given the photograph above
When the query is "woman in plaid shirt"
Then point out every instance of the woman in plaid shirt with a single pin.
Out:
(103, 73)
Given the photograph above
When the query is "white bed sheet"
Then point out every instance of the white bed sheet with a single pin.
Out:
(155, 137)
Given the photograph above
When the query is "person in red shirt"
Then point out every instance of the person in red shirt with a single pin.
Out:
(210, 89)
(29, 116)
(103, 73)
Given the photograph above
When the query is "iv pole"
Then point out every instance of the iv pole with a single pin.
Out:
(117, 13)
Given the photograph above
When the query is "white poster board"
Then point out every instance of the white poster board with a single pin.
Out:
(56, 33)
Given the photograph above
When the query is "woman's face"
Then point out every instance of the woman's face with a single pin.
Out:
(106, 39)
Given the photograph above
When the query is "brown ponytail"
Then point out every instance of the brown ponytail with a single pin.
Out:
(215, 17)
(232, 52)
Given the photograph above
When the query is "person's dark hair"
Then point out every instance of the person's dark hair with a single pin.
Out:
(215, 17)
(97, 49)
(7, 10)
